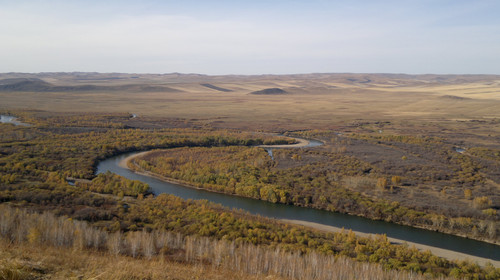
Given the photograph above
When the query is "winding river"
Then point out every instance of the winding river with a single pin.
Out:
(289, 212)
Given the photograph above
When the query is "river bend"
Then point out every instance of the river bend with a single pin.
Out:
(290, 212)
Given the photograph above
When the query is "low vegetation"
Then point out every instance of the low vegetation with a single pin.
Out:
(110, 183)
(108, 214)
(317, 179)
(26, 261)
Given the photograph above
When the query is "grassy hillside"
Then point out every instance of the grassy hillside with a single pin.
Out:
(38, 246)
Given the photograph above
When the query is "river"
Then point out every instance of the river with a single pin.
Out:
(11, 119)
(280, 211)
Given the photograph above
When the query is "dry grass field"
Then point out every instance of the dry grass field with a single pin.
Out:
(45, 262)
(310, 101)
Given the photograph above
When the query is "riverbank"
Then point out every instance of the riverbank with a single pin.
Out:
(124, 162)
(301, 144)
(448, 254)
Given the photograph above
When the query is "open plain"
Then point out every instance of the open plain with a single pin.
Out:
(324, 101)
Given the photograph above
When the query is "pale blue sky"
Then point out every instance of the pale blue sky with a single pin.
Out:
(251, 37)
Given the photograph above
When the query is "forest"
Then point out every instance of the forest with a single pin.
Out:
(110, 213)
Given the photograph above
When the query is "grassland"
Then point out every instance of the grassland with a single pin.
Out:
(312, 101)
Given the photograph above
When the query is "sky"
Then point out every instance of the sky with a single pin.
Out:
(221, 37)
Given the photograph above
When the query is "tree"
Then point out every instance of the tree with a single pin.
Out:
(468, 193)
(381, 183)
(396, 180)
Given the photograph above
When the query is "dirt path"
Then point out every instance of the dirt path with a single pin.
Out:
(447, 254)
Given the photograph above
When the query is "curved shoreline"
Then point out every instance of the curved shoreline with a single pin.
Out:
(302, 143)
(448, 254)
(444, 253)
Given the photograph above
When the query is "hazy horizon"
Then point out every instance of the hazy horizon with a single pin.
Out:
(258, 74)
(251, 38)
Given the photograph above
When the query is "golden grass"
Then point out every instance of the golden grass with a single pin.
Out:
(23, 261)
(37, 246)
(312, 103)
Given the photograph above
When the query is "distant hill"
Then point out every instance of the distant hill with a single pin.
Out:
(454, 97)
(210, 86)
(299, 80)
(24, 84)
(269, 91)
(38, 85)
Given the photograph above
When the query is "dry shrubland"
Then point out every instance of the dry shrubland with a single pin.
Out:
(83, 247)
